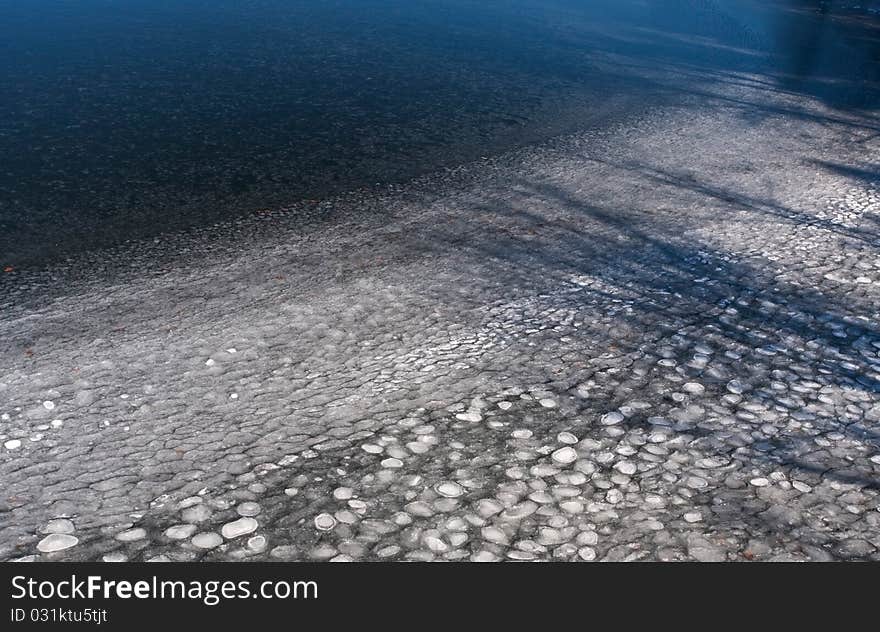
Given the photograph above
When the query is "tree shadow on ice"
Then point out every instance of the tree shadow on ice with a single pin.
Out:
(783, 46)
(788, 340)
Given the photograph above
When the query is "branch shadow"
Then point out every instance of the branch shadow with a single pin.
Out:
(867, 175)
(672, 282)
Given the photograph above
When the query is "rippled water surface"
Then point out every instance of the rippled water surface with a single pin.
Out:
(125, 118)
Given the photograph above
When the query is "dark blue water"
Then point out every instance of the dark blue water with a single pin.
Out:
(125, 118)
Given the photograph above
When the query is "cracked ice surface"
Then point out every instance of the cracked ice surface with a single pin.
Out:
(622, 345)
